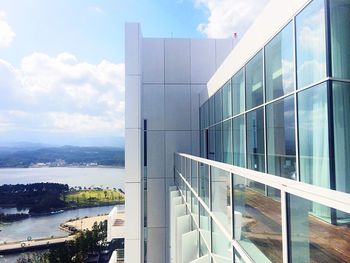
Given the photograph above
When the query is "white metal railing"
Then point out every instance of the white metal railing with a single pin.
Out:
(327, 197)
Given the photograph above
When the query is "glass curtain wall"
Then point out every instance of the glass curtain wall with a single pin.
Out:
(279, 64)
(280, 127)
(254, 79)
(227, 142)
(238, 92)
(340, 38)
(311, 44)
(239, 141)
(255, 140)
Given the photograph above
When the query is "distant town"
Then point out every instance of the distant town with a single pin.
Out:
(65, 156)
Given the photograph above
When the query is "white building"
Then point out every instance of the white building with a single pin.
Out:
(270, 128)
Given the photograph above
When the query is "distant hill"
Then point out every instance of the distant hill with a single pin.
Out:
(61, 156)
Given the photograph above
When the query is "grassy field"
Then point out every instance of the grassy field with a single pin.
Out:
(93, 197)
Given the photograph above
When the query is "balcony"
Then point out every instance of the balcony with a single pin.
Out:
(221, 212)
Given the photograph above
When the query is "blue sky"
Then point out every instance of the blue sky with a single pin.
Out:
(62, 61)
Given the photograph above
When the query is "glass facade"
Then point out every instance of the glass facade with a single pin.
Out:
(311, 44)
(284, 113)
(254, 81)
(280, 127)
(289, 102)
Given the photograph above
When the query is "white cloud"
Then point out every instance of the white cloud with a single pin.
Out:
(227, 17)
(97, 9)
(6, 33)
(62, 94)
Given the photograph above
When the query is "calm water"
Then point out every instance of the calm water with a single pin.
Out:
(111, 177)
(46, 226)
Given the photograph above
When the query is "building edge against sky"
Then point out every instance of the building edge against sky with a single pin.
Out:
(164, 78)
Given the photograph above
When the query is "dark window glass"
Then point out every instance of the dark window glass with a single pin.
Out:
(227, 141)
(341, 110)
(211, 111)
(313, 136)
(211, 143)
(218, 106)
(311, 47)
(255, 140)
(281, 138)
(340, 38)
(239, 141)
(279, 64)
(238, 92)
(254, 78)
(218, 142)
(227, 100)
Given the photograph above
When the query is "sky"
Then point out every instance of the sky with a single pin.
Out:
(62, 61)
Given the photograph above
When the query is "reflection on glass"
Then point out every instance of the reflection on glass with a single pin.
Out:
(218, 105)
(341, 109)
(221, 244)
(255, 140)
(254, 79)
(279, 64)
(221, 198)
(211, 143)
(204, 182)
(204, 224)
(226, 100)
(211, 110)
(314, 240)
(281, 138)
(257, 222)
(313, 136)
(238, 92)
(227, 141)
(340, 38)
(311, 47)
(218, 142)
(238, 141)
(206, 114)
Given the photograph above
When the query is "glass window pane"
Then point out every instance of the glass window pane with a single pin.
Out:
(238, 92)
(195, 208)
(311, 47)
(206, 114)
(221, 245)
(227, 100)
(239, 141)
(194, 175)
(257, 222)
(218, 142)
(204, 224)
(341, 109)
(254, 78)
(281, 138)
(211, 111)
(313, 136)
(203, 249)
(218, 106)
(211, 143)
(221, 198)
(340, 38)
(313, 238)
(204, 182)
(279, 64)
(227, 141)
(255, 140)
